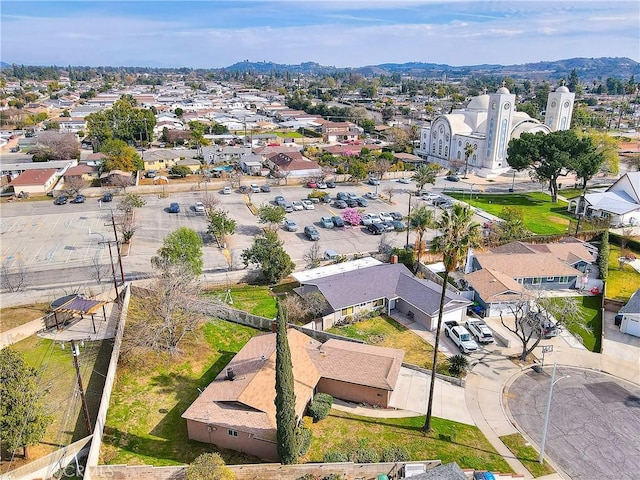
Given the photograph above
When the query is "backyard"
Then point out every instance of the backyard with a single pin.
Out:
(542, 216)
(449, 442)
(386, 332)
(591, 317)
(623, 281)
(255, 299)
(19, 315)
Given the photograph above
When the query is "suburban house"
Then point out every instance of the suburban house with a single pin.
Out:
(630, 322)
(340, 132)
(364, 287)
(499, 276)
(620, 203)
(36, 181)
(292, 164)
(88, 173)
(237, 410)
(226, 154)
(160, 159)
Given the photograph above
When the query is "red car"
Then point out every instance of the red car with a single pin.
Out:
(312, 185)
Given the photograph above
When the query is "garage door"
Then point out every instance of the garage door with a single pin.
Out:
(632, 326)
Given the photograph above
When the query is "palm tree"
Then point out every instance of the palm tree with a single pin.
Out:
(457, 234)
(424, 174)
(420, 220)
(468, 151)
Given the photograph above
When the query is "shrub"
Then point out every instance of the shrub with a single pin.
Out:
(333, 476)
(365, 454)
(303, 439)
(395, 454)
(457, 364)
(603, 256)
(320, 406)
(335, 456)
(209, 466)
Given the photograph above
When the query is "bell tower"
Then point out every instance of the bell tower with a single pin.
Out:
(559, 109)
(501, 107)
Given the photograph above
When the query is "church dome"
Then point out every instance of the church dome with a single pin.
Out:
(481, 102)
(503, 91)
(562, 89)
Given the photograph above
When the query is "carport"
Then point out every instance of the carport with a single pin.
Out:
(72, 305)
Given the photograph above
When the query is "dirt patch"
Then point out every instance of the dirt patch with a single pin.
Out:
(12, 317)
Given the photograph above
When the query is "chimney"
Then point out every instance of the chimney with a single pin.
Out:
(230, 374)
(394, 259)
(274, 327)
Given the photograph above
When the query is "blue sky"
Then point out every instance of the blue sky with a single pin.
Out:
(347, 33)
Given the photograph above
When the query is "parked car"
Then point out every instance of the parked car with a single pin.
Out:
(199, 207)
(312, 184)
(352, 195)
(326, 222)
(79, 199)
(107, 197)
(308, 204)
(265, 188)
(340, 204)
(255, 188)
(398, 226)
(385, 217)
(152, 173)
(430, 197)
(376, 228)
(290, 225)
(362, 202)
(15, 149)
(174, 208)
(388, 225)
(452, 178)
(311, 233)
(61, 200)
(460, 336)
(480, 331)
(404, 180)
(337, 221)
(226, 190)
(396, 215)
(280, 201)
(322, 185)
(244, 189)
(331, 184)
(351, 202)
(342, 196)
(373, 181)
(297, 205)
(288, 207)
(371, 195)
(369, 218)
(442, 202)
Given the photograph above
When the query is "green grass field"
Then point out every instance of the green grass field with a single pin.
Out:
(255, 299)
(621, 282)
(527, 455)
(386, 332)
(144, 424)
(591, 316)
(541, 216)
(450, 441)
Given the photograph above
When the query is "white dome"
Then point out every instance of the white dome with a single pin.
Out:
(503, 91)
(562, 89)
(481, 102)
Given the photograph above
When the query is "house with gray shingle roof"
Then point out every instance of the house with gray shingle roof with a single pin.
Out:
(386, 288)
(630, 322)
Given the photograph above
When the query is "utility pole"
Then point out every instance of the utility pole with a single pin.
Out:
(115, 233)
(409, 219)
(75, 351)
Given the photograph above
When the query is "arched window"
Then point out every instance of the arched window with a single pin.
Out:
(459, 156)
(446, 152)
(433, 149)
(440, 147)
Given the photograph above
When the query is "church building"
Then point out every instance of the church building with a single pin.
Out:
(487, 124)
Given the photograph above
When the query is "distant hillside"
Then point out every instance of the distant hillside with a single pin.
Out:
(587, 68)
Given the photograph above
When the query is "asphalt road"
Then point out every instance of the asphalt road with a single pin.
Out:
(594, 425)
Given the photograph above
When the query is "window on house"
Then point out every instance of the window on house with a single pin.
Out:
(550, 279)
(347, 311)
(537, 281)
(564, 279)
(233, 433)
(379, 302)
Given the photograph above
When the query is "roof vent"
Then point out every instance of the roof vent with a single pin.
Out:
(263, 358)
(230, 375)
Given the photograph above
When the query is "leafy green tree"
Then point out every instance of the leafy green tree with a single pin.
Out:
(469, 150)
(120, 156)
(197, 130)
(425, 174)
(268, 253)
(271, 214)
(457, 234)
(530, 109)
(551, 156)
(124, 121)
(23, 417)
(209, 466)
(179, 112)
(131, 201)
(220, 225)
(420, 220)
(285, 395)
(457, 364)
(608, 146)
(512, 226)
(179, 171)
(357, 170)
(182, 246)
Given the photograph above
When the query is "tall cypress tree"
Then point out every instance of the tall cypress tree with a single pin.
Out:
(285, 395)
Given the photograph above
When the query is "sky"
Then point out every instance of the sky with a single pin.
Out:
(347, 33)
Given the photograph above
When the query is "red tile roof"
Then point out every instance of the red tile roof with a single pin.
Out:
(39, 176)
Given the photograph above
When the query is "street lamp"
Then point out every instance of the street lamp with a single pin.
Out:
(408, 220)
(546, 417)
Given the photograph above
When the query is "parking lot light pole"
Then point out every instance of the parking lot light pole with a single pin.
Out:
(409, 219)
(546, 417)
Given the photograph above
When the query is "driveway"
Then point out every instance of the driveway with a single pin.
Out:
(594, 425)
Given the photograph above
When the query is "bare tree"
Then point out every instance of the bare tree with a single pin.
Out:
(381, 166)
(210, 202)
(163, 317)
(98, 270)
(389, 191)
(121, 181)
(384, 245)
(295, 307)
(74, 185)
(315, 303)
(313, 257)
(127, 226)
(13, 276)
(61, 146)
(234, 178)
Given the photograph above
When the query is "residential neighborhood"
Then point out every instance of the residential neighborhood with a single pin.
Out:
(309, 283)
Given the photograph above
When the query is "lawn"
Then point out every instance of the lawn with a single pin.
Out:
(386, 332)
(541, 216)
(144, 424)
(527, 455)
(450, 441)
(11, 317)
(621, 282)
(57, 376)
(255, 299)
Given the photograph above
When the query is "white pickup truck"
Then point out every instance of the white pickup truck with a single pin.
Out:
(480, 331)
(460, 336)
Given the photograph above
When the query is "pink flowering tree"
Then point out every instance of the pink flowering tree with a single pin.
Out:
(351, 216)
